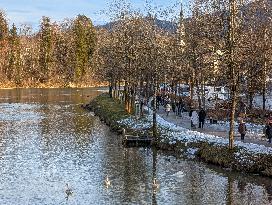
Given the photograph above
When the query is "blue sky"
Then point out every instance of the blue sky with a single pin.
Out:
(31, 11)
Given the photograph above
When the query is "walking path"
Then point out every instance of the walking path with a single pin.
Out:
(220, 129)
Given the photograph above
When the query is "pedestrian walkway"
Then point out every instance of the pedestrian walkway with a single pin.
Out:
(185, 121)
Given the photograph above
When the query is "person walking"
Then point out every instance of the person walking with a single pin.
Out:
(202, 116)
(177, 107)
(167, 109)
(194, 119)
(242, 129)
(190, 115)
(268, 131)
(173, 104)
(180, 107)
(167, 100)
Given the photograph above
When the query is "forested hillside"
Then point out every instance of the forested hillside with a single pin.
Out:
(57, 55)
(136, 46)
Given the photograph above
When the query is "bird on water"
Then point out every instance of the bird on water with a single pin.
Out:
(155, 184)
(68, 190)
(107, 182)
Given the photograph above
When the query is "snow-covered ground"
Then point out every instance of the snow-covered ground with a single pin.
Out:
(173, 133)
(253, 130)
(258, 102)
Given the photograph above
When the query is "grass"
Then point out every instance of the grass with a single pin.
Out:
(111, 111)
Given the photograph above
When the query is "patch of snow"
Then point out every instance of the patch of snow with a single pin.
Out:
(174, 133)
(134, 123)
(258, 101)
(179, 174)
(192, 151)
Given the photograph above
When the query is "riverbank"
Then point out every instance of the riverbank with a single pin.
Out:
(245, 157)
(11, 85)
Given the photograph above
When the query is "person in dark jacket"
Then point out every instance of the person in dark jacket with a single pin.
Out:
(242, 129)
(202, 116)
(190, 115)
(268, 131)
(173, 105)
(180, 107)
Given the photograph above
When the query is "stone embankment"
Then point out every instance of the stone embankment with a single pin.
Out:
(245, 157)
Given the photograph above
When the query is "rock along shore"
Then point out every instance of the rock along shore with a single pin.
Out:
(245, 157)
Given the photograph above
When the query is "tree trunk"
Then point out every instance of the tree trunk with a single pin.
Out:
(250, 100)
(265, 68)
(264, 83)
(132, 100)
(119, 90)
(198, 93)
(233, 77)
(202, 91)
(154, 123)
(129, 99)
(115, 89)
(126, 95)
(191, 88)
(264, 98)
(147, 88)
(154, 173)
(110, 89)
(232, 117)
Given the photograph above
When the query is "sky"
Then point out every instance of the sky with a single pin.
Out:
(31, 11)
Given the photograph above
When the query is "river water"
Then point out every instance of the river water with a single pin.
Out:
(47, 140)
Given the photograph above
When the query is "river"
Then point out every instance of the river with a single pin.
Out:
(47, 140)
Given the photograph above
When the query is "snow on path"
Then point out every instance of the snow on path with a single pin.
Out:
(172, 133)
(177, 133)
(258, 101)
(254, 131)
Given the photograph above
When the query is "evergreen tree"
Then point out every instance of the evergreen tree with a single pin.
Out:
(46, 49)
(64, 53)
(3, 43)
(3, 26)
(14, 70)
(84, 42)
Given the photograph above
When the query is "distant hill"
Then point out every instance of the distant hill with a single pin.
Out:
(165, 25)
(260, 13)
(172, 27)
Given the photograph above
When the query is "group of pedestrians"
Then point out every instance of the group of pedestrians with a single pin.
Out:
(177, 105)
(242, 129)
(197, 118)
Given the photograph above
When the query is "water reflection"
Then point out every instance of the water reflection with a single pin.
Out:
(154, 176)
(47, 140)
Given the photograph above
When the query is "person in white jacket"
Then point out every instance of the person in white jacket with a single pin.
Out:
(167, 109)
(194, 119)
